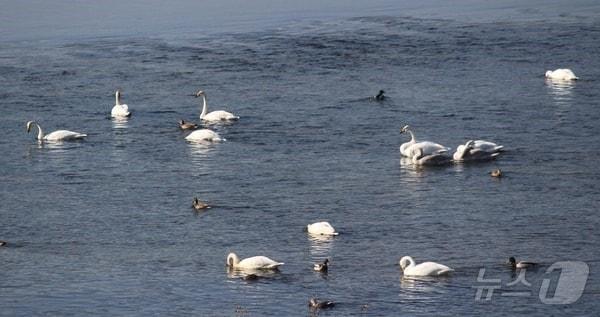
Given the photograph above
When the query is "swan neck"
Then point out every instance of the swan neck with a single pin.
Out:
(204, 107)
(117, 97)
(40, 135)
(412, 136)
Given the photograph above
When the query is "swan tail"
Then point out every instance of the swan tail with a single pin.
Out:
(445, 271)
(499, 148)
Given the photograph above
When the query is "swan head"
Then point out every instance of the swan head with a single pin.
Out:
(548, 73)
(404, 129)
(29, 123)
(199, 93)
(232, 259)
(406, 261)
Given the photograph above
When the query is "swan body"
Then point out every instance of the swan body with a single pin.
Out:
(321, 267)
(424, 269)
(409, 148)
(405, 146)
(521, 264)
(561, 74)
(478, 150)
(199, 205)
(436, 158)
(321, 228)
(187, 125)
(119, 110)
(213, 116)
(59, 135)
(204, 135)
(255, 262)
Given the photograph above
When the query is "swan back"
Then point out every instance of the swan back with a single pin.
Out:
(321, 228)
(204, 135)
(561, 74)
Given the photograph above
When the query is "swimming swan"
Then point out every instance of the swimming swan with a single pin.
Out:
(119, 110)
(213, 116)
(437, 158)
(255, 262)
(478, 150)
(408, 149)
(59, 135)
(561, 74)
(321, 228)
(204, 135)
(424, 269)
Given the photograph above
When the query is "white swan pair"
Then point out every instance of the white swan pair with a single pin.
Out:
(253, 263)
(424, 152)
(207, 135)
(59, 135)
(409, 268)
(561, 74)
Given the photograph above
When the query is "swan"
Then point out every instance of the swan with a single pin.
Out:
(496, 173)
(214, 116)
(561, 74)
(321, 267)
(408, 149)
(437, 158)
(255, 262)
(199, 205)
(321, 228)
(424, 269)
(478, 150)
(119, 110)
(316, 304)
(59, 135)
(187, 125)
(521, 264)
(204, 135)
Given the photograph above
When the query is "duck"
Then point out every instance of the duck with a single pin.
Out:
(409, 268)
(478, 150)
(496, 173)
(213, 116)
(119, 110)
(3, 243)
(59, 135)
(255, 262)
(433, 159)
(380, 96)
(316, 304)
(521, 264)
(408, 149)
(321, 267)
(199, 205)
(321, 228)
(561, 74)
(187, 125)
(204, 135)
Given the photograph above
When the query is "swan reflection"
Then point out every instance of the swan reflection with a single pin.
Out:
(320, 246)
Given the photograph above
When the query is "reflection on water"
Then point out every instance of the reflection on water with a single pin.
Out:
(120, 123)
(200, 153)
(423, 287)
(250, 274)
(320, 246)
(561, 90)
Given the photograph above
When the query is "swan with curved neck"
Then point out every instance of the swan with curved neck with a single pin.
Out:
(213, 116)
(408, 149)
(59, 135)
(409, 268)
(119, 110)
(405, 146)
(256, 262)
(478, 150)
(437, 158)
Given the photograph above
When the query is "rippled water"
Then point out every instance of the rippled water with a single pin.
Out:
(104, 226)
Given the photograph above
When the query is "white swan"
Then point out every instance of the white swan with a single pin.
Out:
(561, 74)
(213, 116)
(436, 158)
(255, 262)
(204, 135)
(428, 148)
(478, 150)
(59, 135)
(119, 110)
(321, 228)
(424, 269)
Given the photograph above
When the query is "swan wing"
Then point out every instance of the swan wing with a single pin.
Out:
(487, 146)
(428, 269)
(204, 135)
(219, 115)
(120, 111)
(258, 262)
(61, 135)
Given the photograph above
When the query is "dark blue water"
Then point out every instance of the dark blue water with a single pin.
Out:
(104, 226)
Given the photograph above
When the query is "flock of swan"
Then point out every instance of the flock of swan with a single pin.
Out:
(419, 152)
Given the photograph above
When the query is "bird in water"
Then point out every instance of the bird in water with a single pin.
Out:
(380, 96)
(3, 243)
(199, 205)
(322, 267)
(496, 173)
(521, 264)
(316, 304)
(187, 125)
